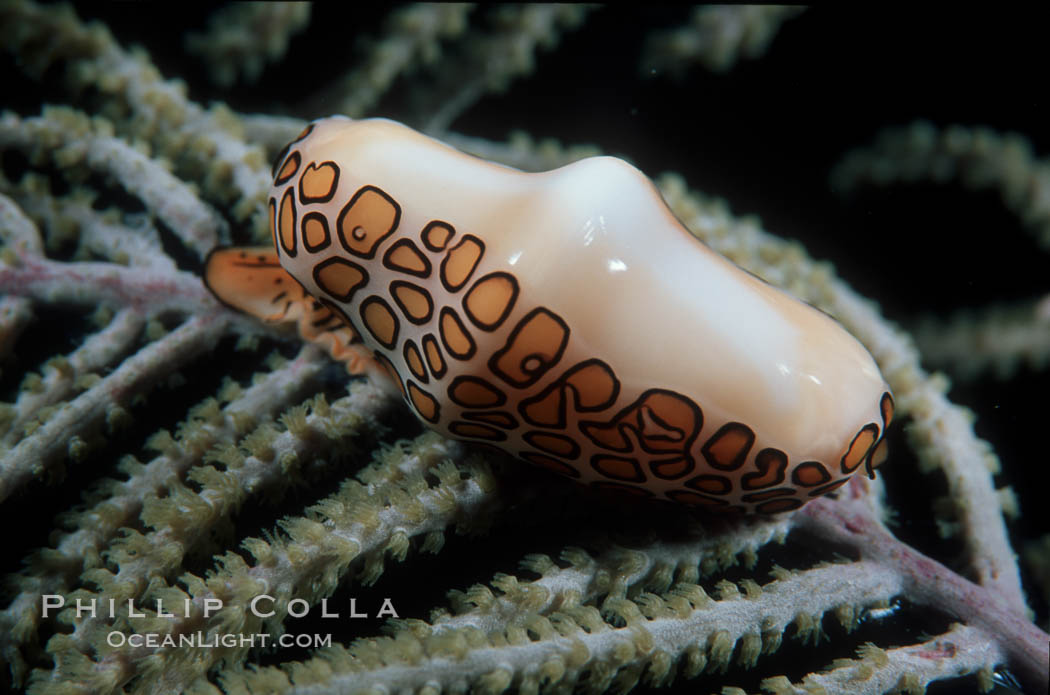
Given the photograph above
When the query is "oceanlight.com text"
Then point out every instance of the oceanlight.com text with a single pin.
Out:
(210, 640)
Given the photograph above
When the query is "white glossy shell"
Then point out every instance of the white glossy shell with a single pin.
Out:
(645, 306)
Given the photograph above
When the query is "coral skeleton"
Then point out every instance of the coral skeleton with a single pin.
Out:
(242, 38)
(169, 460)
(717, 37)
(1001, 337)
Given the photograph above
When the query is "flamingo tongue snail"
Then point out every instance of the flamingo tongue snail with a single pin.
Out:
(566, 317)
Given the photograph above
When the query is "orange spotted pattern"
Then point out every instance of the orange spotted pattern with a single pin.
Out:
(252, 280)
(475, 360)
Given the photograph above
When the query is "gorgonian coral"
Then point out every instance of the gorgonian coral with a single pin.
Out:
(157, 446)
